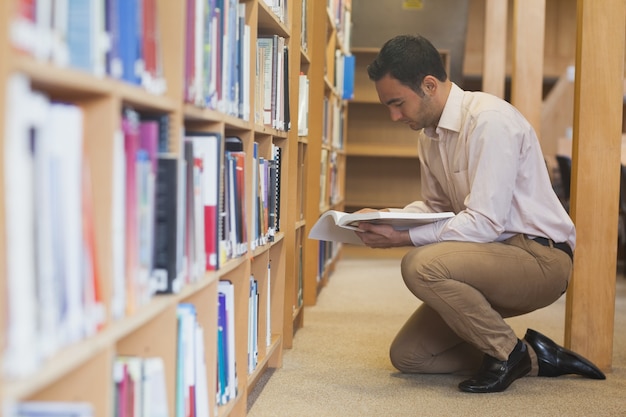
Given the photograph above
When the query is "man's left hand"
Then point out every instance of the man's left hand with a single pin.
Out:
(383, 236)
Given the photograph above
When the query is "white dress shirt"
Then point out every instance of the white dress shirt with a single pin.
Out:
(484, 162)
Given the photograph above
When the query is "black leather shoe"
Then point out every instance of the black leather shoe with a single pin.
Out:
(495, 375)
(555, 360)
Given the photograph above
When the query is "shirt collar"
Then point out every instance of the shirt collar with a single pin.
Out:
(451, 115)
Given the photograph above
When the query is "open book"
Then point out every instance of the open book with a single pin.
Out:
(337, 226)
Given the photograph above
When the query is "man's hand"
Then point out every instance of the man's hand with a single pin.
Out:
(383, 236)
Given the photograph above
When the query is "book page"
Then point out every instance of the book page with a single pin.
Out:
(399, 220)
(326, 228)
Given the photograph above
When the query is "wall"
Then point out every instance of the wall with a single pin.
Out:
(443, 22)
(457, 26)
(559, 45)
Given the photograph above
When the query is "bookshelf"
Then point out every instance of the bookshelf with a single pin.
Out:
(87, 368)
(371, 134)
(330, 40)
(293, 306)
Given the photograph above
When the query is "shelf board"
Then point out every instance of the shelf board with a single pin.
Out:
(364, 50)
(269, 22)
(73, 84)
(57, 79)
(264, 362)
(381, 151)
(73, 356)
(365, 98)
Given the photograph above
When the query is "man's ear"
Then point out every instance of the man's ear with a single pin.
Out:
(429, 84)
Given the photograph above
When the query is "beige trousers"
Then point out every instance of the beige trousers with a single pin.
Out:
(468, 289)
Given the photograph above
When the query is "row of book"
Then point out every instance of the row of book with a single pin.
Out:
(218, 64)
(279, 7)
(116, 38)
(139, 383)
(173, 218)
(327, 252)
(192, 371)
(227, 378)
(186, 214)
(139, 387)
(330, 192)
(271, 94)
(333, 122)
(102, 37)
(341, 13)
(217, 56)
(54, 294)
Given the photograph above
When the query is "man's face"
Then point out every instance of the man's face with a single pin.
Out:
(405, 105)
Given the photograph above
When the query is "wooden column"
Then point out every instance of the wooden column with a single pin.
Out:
(494, 56)
(317, 51)
(528, 43)
(595, 177)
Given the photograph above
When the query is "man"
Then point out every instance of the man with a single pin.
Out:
(506, 252)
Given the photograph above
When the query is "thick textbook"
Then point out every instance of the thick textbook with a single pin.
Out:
(338, 226)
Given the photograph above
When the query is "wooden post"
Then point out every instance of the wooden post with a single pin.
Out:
(494, 55)
(527, 76)
(595, 183)
(318, 32)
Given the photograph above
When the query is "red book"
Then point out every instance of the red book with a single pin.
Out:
(150, 37)
(207, 151)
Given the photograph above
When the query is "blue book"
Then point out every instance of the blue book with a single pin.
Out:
(112, 25)
(222, 351)
(80, 40)
(129, 42)
(349, 63)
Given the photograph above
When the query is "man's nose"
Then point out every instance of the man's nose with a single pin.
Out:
(395, 114)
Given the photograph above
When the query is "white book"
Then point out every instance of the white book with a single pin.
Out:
(21, 354)
(68, 130)
(202, 387)
(268, 306)
(154, 388)
(303, 105)
(118, 226)
(338, 226)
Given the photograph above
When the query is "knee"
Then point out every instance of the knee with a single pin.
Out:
(405, 361)
(410, 265)
(421, 266)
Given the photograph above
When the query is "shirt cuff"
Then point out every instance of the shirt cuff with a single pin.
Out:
(424, 235)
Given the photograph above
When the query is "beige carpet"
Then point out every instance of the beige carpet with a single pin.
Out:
(339, 367)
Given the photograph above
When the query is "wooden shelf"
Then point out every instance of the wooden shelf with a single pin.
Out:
(325, 144)
(389, 151)
(83, 370)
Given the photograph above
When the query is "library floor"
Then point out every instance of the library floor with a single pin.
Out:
(339, 367)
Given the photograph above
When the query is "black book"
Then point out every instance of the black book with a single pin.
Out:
(165, 260)
(287, 115)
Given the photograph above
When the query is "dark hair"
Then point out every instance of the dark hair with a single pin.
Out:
(408, 59)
